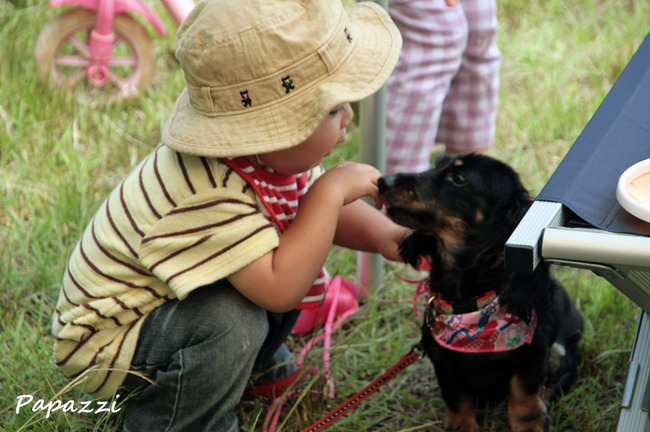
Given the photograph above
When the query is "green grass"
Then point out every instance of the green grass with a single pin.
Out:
(59, 158)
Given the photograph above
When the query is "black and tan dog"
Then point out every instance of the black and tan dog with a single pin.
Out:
(490, 333)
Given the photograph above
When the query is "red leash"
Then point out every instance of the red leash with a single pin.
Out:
(406, 361)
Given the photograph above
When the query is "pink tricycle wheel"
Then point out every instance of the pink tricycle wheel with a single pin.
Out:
(62, 56)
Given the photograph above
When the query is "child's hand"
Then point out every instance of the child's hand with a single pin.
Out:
(352, 181)
(389, 241)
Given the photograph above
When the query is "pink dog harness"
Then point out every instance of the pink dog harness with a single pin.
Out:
(492, 328)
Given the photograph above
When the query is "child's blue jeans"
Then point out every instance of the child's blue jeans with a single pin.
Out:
(201, 352)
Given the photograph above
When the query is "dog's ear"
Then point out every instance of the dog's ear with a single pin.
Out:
(511, 213)
(490, 236)
(417, 244)
(528, 291)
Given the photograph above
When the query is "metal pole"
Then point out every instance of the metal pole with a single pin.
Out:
(372, 121)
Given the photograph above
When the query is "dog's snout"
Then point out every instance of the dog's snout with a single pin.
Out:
(386, 182)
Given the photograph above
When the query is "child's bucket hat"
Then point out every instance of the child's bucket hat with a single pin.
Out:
(262, 74)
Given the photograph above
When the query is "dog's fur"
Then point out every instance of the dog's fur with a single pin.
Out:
(462, 212)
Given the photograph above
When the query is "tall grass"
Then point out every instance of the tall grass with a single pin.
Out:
(59, 158)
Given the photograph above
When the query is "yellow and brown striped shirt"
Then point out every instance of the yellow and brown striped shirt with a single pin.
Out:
(176, 223)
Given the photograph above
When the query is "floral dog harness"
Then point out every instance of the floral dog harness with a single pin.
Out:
(492, 328)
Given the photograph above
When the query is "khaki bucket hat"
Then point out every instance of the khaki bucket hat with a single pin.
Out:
(262, 74)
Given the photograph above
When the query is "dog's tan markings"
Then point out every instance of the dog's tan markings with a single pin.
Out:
(462, 421)
(458, 162)
(526, 412)
(479, 217)
(421, 205)
(558, 351)
(451, 235)
(406, 201)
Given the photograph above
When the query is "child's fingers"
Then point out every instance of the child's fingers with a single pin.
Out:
(355, 180)
(379, 203)
(373, 193)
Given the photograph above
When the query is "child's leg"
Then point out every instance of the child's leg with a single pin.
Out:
(434, 36)
(200, 352)
(468, 119)
(274, 360)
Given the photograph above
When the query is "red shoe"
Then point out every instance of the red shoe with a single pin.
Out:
(278, 387)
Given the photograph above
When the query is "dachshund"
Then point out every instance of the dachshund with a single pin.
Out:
(490, 333)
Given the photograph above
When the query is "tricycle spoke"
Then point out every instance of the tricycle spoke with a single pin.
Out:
(71, 61)
(130, 61)
(117, 80)
(82, 47)
(74, 79)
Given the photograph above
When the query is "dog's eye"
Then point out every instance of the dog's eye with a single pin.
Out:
(457, 179)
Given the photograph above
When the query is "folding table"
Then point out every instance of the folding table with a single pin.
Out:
(577, 221)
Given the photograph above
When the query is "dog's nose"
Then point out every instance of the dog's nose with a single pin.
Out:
(386, 182)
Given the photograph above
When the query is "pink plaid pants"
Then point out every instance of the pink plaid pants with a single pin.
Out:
(445, 86)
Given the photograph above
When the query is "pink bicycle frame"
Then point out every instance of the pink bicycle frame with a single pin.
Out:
(101, 37)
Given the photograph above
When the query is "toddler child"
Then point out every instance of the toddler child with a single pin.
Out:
(193, 269)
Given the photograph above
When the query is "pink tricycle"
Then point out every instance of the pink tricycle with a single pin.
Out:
(98, 46)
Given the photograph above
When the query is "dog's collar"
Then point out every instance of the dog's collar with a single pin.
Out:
(473, 304)
(491, 328)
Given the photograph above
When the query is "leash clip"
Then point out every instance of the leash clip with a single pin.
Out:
(418, 349)
(430, 312)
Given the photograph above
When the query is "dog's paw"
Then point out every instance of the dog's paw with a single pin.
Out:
(470, 426)
(416, 245)
(541, 423)
(462, 421)
(526, 412)
(466, 428)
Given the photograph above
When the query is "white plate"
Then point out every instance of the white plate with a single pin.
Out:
(633, 190)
